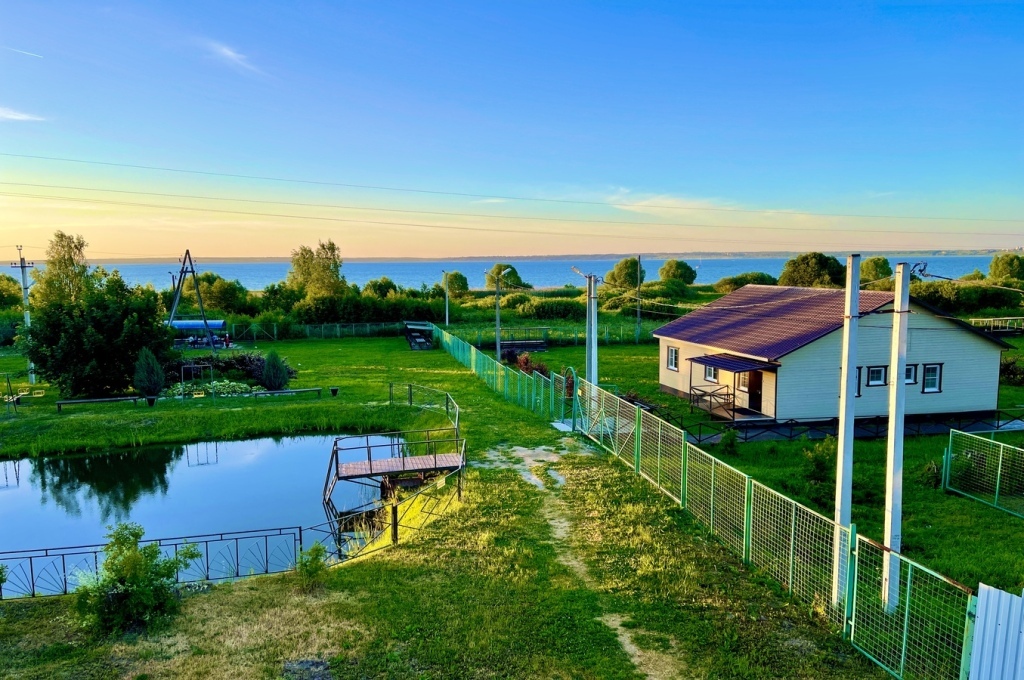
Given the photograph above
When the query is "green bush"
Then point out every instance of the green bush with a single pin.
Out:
(728, 445)
(275, 373)
(149, 374)
(964, 298)
(135, 586)
(514, 300)
(569, 310)
(819, 471)
(312, 568)
(1011, 371)
(731, 283)
(3, 575)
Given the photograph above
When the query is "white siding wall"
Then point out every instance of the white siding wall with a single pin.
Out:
(809, 377)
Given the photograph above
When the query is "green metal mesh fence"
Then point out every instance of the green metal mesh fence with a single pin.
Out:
(920, 632)
(985, 470)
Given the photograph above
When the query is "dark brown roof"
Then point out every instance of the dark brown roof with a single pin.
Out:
(769, 322)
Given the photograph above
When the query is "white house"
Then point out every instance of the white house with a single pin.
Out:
(775, 351)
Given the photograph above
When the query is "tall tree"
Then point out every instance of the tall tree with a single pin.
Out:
(813, 270)
(509, 280)
(318, 271)
(677, 270)
(1007, 266)
(66, 275)
(10, 292)
(625, 273)
(89, 347)
(458, 284)
(875, 268)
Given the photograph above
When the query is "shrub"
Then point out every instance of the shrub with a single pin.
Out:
(731, 283)
(312, 568)
(963, 298)
(514, 300)
(3, 575)
(569, 310)
(509, 356)
(815, 270)
(1011, 371)
(526, 364)
(677, 270)
(149, 374)
(244, 365)
(136, 584)
(728, 444)
(819, 471)
(275, 373)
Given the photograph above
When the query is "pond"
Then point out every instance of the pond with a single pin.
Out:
(172, 491)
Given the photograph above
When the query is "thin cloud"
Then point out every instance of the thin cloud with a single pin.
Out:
(231, 57)
(30, 54)
(12, 115)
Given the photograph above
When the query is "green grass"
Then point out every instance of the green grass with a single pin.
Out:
(479, 592)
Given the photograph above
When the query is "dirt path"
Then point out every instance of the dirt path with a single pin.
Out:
(653, 664)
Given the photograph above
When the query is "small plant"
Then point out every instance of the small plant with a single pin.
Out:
(525, 363)
(275, 373)
(136, 584)
(820, 471)
(149, 374)
(312, 568)
(509, 356)
(728, 445)
(3, 576)
(930, 476)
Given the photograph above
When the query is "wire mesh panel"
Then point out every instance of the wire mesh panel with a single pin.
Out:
(670, 460)
(915, 628)
(650, 448)
(772, 533)
(700, 479)
(986, 470)
(814, 559)
(622, 421)
(729, 492)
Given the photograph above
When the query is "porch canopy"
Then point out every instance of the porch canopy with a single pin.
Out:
(732, 363)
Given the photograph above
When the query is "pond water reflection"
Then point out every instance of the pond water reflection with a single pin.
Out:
(178, 490)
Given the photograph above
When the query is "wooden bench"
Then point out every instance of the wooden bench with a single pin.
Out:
(274, 393)
(105, 400)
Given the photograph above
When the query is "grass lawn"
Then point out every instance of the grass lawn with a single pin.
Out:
(601, 578)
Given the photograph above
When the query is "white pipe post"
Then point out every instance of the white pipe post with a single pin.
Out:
(497, 317)
(894, 451)
(25, 266)
(592, 329)
(847, 415)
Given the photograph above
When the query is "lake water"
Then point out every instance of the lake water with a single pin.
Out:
(171, 491)
(540, 273)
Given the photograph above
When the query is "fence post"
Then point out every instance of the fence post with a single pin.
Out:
(906, 617)
(851, 582)
(748, 518)
(394, 522)
(391, 393)
(792, 545)
(714, 468)
(682, 472)
(946, 455)
(999, 477)
(965, 653)
(636, 440)
(410, 394)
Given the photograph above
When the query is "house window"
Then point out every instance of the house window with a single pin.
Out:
(744, 382)
(911, 375)
(932, 378)
(876, 375)
(673, 359)
(711, 374)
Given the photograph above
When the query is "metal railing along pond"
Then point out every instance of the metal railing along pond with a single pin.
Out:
(58, 571)
(907, 618)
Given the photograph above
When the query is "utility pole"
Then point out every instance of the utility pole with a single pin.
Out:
(497, 313)
(591, 331)
(894, 451)
(24, 267)
(445, 297)
(847, 414)
(638, 269)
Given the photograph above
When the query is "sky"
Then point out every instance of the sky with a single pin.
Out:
(411, 129)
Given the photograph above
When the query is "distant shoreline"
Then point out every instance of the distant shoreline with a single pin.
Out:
(541, 258)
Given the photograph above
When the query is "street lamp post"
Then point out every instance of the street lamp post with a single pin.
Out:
(497, 313)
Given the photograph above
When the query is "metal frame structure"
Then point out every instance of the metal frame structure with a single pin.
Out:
(188, 267)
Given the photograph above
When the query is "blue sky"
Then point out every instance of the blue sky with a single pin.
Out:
(912, 109)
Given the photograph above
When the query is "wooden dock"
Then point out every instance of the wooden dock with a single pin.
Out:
(442, 462)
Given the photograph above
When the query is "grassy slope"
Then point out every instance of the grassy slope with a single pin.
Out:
(479, 593)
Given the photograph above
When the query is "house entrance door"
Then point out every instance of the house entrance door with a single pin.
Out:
(754, 391)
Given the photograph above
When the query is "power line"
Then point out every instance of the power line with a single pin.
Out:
(481, 215)
(412, 224)
(500, 197)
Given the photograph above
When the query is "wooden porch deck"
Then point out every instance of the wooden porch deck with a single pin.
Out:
(441, 462)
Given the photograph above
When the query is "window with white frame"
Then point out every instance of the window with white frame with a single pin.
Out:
(931, 378)
(876, 375)
(910, 376)
(744, 382)
(673, 359)
(711, 374)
